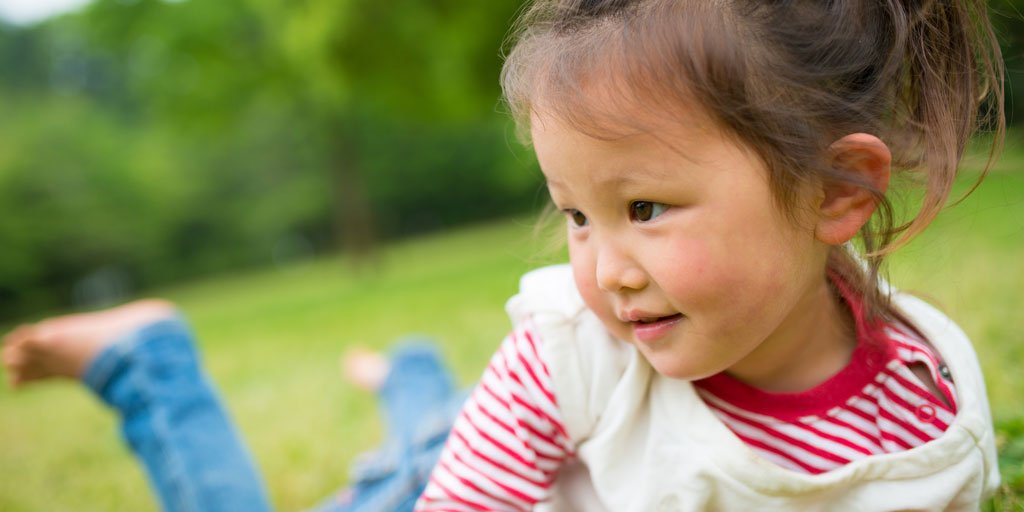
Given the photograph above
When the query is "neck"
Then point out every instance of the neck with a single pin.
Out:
(806, 350)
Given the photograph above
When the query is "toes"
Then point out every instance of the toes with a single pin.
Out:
(14, 361)
(19, 334)
(365, 368)
(12, 356)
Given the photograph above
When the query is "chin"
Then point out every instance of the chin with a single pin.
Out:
(681, 372)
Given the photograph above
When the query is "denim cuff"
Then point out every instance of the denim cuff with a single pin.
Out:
(117, 357)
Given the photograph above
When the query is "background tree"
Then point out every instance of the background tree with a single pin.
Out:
(249, 129)
(147, 141)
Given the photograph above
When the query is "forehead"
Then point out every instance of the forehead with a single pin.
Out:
(577, 161)
(631, 145)
(606, 105)
(580, 167)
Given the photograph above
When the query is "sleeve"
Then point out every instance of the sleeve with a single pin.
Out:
(508, 442)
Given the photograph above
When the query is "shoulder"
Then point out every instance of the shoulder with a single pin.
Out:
(953, 345)
(943, 334)
(585, 362)
(546, 291)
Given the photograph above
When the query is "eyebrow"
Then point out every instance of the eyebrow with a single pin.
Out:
(621, 178)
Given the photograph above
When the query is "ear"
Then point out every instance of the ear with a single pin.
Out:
(845, 207)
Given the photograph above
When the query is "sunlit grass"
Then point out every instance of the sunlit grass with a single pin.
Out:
(271, 340)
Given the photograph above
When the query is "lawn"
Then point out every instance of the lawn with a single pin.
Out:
(271, 340)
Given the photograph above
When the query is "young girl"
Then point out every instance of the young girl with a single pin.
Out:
(716, 341)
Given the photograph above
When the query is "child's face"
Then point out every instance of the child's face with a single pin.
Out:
(681, 250)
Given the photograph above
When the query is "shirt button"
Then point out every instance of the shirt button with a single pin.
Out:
(944, 371)
(925, 412)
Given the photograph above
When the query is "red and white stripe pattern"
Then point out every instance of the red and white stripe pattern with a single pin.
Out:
(893, 411)
(508, 443)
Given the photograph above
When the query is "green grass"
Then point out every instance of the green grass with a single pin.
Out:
(271, 340)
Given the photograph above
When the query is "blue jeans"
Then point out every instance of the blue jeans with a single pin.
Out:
(175, 424)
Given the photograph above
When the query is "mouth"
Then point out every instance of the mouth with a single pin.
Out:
(649, 329)
(655, 319)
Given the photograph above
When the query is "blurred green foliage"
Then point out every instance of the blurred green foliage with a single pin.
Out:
(1008, 18)
(147, 141)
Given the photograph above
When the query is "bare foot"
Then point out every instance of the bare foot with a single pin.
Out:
(63, 346)
(365, 368)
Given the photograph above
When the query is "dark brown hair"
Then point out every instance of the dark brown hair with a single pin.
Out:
(787, 78)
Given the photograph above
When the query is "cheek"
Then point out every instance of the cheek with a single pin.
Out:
(585, 275)
(714, 275)
(694, 266)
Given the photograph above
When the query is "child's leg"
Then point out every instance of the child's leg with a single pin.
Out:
(140, 360)
(419, 403)
(417, 389)
(64, 346)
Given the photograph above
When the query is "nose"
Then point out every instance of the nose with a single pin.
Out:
(617, 270)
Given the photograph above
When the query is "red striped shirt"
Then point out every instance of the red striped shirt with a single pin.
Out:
(844, 418)
(509, 441)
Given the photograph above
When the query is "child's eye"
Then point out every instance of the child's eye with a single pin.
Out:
(643, 211)
(576, 217)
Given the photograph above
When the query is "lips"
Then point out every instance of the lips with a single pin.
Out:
(651, 328)
(651, 320)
